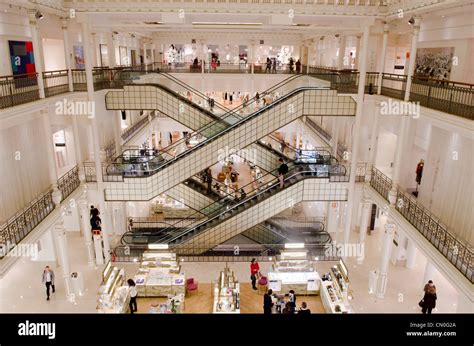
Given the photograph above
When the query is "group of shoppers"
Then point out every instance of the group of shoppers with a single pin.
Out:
(290, 305)
(293, 66)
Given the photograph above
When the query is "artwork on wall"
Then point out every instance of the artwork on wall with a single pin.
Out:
(79, 57)
(124, 59)
(434, 62)
(21, 57)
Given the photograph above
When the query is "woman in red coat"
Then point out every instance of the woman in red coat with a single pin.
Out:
(254, 269)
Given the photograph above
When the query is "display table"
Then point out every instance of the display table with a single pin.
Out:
(226, 294)
(159, 276)
(301, 282)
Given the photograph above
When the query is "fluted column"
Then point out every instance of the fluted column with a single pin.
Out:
(397, 167)
(384, 56)
(37, 52)
(356, 136)
(385, 259)
(63, 253)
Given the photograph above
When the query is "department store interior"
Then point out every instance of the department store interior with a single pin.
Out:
(249, 159)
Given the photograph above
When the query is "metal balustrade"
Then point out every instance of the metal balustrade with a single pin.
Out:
(55, 82)
(458, 252)
(225, 252)
(69, 182)
(446, 96)
(20, 225)
(381, 183)
(18, 89)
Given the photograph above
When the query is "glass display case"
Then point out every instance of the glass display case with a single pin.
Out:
(114, 294)
(226, 293)
(332, 299)
(159, 275)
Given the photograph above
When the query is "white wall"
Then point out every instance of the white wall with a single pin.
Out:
(53, 54)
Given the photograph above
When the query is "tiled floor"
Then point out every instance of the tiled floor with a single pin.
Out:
(22, 290)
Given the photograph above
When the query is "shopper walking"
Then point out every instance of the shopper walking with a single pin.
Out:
(282, 170)
(208, 179)
(48, 280)
(428, 302)
(290, 63)
(269, 65)
(267, 302)
(274, 66)
(133, 296)
(96, 222)
(254, 269)
(298, 66)
(304, 309)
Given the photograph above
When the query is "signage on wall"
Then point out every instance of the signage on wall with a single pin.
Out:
(274, 285)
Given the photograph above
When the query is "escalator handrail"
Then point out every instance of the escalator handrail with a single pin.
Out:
(225, 130)
(267, 186)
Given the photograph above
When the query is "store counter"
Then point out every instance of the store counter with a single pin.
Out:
(226, 294)
(300, 282)
(332, 299)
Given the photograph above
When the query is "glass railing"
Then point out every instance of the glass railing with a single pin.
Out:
(252, 191)
(181, 148)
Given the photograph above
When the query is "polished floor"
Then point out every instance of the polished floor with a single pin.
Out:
(22, 290)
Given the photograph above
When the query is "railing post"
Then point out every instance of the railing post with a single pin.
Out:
(37, 52)
(384, 56)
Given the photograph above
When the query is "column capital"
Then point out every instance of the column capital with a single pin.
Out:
(64, 24)
(386, 27)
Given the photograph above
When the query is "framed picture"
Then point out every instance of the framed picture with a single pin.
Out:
(104, 55)
(434, 62)
(79, 57)
(22, 57)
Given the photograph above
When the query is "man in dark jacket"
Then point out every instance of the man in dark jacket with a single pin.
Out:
(282, 170)
(267, 303)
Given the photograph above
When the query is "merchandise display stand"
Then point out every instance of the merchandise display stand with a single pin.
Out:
(226, 293)
(114, 294)
(159, 275)
(292, 271)
(334, 290)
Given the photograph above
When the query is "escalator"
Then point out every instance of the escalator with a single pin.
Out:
(244, 132)
(231, 217)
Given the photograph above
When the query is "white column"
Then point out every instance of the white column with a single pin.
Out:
(252, 57)
(358, 57)
(111, 49)
(411, 254)
(334, 136)
(144, 54)
(77, 141)
(342, 51)
(95, 138)
(333, 210)
(63, 253)
(86, 230)
(404, 121)
(152, 53)
(384, 56)
(385, 260)
(53, 169)
(118, 133)
(37, 52)
(356, 137)
(430, 270)
(373, 137)
(364, 220)
(67, 53)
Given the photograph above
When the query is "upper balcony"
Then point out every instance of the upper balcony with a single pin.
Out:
(446, 96)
